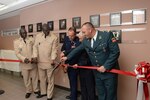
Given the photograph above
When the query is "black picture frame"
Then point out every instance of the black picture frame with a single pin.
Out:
(62, 24)
(95, 20)
(62, 37)
(115, 19)
(76, 22)
(138, 16)
(117, 35)
(39, 27)
(50, 25)
(30, 28)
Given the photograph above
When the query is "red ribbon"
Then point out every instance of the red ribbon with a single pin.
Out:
(112, 70)
(10, 60)
(142, 69)
(142, 72)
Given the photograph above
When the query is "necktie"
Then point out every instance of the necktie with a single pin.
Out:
(93, 42)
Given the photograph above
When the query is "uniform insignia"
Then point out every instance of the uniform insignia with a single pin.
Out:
(20, 49)
(20, 45)
(100, 37)
(113, 39)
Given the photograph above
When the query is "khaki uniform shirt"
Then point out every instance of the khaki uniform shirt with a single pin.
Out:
(24, 50)
(45, 49)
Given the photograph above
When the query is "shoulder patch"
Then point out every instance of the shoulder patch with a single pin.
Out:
(113, 39)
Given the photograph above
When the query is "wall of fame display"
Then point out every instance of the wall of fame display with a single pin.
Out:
(115, 20)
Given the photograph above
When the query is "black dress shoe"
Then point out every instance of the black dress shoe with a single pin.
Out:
(27, 95)
(38, 93)
(40, 96)
(68, 97)
(49, 99)
(2, 92)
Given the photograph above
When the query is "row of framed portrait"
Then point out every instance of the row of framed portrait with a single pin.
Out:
(62, 25)
(138, 17)
(116, 33)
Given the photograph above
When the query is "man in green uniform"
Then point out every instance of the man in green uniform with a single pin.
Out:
(104, 52)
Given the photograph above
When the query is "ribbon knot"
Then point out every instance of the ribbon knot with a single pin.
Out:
(142, 71)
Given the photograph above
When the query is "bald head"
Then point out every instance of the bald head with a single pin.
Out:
(88, 29)
(23, 33)
(46, 29)
(88, 24)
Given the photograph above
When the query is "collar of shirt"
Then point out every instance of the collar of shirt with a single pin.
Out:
(47, 35)
(21, 39)
(95, 36)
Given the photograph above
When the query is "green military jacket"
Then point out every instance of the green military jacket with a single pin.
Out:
(105, 52)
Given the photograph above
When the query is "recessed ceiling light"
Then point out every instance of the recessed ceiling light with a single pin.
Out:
(12, 4)
(1, 5)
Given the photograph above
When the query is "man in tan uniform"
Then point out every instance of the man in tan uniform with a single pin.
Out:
(24, 49)
(45, 51)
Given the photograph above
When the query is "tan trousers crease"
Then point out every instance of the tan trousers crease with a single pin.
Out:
(46, 76)
(31, 85)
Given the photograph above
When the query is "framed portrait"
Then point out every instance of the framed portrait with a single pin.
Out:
(95, 20)
(118, 35)
(139, 16)
(30, 28)
(51, 25)
(39, 27)
(22, 26)
(115, 19)
(76, 22)
(62, 37)
(62, 24)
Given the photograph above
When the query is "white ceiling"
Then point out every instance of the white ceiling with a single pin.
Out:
(10, 8)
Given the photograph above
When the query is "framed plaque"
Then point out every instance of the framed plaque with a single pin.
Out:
(62, 24)
(51, 25)
(30, 28)
(39, 27)
(115, 19)
(139, 16)
(95, 20)
(117, 35)
(76, 22)
(62, 37)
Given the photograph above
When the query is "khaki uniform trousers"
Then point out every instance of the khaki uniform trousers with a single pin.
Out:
(46, 76)
(30, 77)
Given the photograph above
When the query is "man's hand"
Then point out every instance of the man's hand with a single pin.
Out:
(53, 63)
(65, 69)
(75, 66)
(34, 60)
(63, 59)
(26, 60)
(101, 69)
(73, 46)
(62, 54)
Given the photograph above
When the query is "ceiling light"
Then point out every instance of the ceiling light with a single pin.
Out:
(1, 5)
(13, 4)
